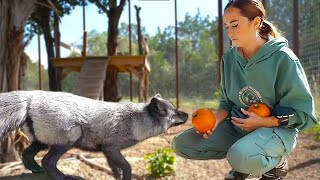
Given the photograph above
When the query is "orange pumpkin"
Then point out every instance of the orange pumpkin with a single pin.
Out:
(260, 109)
(203, 120)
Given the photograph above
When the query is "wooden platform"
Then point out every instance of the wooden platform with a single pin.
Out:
(124, 63)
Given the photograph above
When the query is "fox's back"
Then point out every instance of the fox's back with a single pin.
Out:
(61, 118)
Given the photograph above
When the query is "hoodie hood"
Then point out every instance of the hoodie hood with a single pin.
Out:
(264, 52)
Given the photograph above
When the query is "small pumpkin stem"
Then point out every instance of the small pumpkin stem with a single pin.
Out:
(194, 114)
(256, 106)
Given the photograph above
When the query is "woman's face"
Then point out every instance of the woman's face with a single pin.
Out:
(240, 29)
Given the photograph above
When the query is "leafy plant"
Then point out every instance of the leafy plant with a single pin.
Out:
(161, 163)
(316, 132)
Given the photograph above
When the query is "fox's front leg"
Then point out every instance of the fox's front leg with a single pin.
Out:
(119, 166)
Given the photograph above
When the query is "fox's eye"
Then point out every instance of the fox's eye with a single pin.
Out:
(163, 111)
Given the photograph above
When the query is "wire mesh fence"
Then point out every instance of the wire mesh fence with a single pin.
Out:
(280, 13)
(309, 35)
(198, 62)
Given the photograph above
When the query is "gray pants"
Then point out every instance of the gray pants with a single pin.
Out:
(252, 153)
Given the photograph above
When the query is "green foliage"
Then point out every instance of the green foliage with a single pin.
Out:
(161, 163)
(31, 78)
(97, 43)
(218, 93)
(69, 82)
(198, 57)
(196, 103)
(316, 132)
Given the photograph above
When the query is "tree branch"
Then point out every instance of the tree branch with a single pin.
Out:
(102, 7)
(121, 5)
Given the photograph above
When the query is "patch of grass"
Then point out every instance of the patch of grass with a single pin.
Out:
(189, 103)
(196, 103)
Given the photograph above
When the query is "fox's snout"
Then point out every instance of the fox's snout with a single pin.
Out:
(182, 118)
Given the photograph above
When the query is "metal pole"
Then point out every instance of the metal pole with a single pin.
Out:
(85, 35)
(177, 50)
(130, 35)
(295, 27)
(39, 63)
(130, 51)
(84, 15)
(220, 36)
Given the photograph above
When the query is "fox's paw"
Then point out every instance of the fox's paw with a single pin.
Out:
(37, 170)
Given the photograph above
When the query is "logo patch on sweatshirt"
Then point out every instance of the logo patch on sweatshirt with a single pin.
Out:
(248, 95)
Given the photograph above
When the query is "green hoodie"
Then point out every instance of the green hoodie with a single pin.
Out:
(273, 76)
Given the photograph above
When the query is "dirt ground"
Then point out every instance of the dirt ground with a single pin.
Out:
(304, 162)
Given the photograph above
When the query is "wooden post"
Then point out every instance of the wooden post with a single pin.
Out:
(130, 50)
(220, 37)
(295, 27)
(84, 43)
(177, 52)
(39, 62)
(130, 33)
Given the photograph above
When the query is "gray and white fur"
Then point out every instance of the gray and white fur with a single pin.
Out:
(60, 121)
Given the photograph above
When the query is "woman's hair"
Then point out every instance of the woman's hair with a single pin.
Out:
(252, 9)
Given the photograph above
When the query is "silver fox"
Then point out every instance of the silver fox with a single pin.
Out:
(59, 121)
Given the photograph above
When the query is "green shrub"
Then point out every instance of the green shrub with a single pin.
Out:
(316, 132)
(161, 163)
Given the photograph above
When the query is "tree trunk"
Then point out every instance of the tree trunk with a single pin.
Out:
(44, 22)
(14, 15)
(143, 50)
(111, 92)
(138, 9)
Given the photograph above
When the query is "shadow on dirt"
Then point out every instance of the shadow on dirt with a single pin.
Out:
(303, 165)
(31, 176)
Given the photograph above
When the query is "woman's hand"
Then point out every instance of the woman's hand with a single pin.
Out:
(220, 115)
(206, 135)
(253, 121)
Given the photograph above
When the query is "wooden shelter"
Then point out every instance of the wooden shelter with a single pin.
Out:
(93, 69)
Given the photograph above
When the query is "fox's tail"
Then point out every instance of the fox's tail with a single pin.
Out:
(13, 112)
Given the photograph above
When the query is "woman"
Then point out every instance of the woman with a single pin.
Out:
(259, 68)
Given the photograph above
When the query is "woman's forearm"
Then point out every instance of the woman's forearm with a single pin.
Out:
(221, 115)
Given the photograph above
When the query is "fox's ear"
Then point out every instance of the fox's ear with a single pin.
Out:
(158, 96)
(157, 105)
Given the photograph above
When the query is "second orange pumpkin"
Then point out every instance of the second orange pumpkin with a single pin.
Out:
(260, 109)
